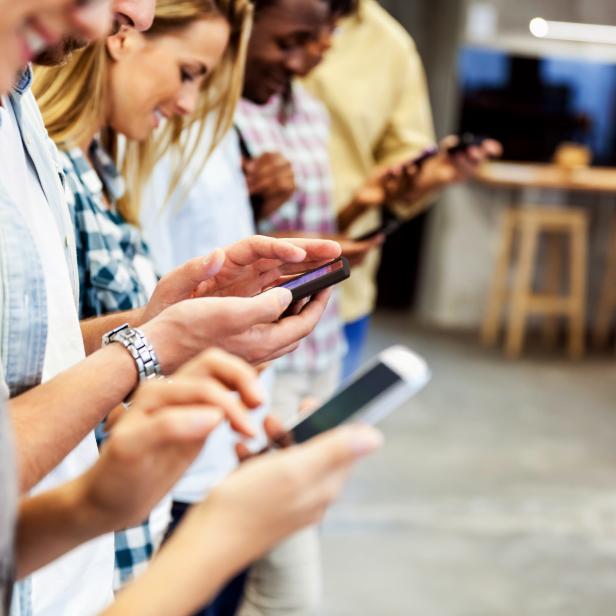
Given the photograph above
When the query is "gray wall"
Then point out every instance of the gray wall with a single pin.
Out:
(464, 226)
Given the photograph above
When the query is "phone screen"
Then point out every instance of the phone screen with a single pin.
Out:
(314, 275)
(345, 403)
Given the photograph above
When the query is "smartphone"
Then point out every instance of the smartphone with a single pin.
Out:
(387, 228)
(467, 141)
(320, 278)
(377, 390)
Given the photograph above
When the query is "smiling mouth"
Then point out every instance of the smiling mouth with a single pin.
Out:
(33, 43)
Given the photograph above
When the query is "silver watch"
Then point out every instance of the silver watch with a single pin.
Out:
(140, 349)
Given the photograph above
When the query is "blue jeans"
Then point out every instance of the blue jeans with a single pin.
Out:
(356, 334)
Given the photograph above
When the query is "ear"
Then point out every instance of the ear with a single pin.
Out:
(125, 42)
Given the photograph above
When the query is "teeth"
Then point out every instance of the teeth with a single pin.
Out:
(34, 40)
(159, 115)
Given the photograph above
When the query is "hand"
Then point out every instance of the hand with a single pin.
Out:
(154, 442)
(271, 177)
(444, 170)
(248, 327)
(356, 252)
(272, 496)
(387, 184)
(242, 269)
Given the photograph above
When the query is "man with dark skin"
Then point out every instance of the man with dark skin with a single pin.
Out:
(277, 116)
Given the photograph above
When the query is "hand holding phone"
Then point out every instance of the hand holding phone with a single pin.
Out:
(465, 143)
(380, 388)
(310, 283)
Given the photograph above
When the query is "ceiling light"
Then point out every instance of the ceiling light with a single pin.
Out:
(570, 31)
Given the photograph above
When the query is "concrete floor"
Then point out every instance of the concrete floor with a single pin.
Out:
(494, 495)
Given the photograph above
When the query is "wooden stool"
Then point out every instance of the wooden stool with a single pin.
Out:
(529, 224)
(607, 295)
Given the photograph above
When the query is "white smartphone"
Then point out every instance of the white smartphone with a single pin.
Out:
(379, 388)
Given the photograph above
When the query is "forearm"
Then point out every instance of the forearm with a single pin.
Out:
(92, 330)
(349, 214)
(53, 524)
(186, 574)
(52, 419)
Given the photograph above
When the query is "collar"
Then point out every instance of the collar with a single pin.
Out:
(24, 81)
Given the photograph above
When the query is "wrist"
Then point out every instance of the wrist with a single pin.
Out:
(86, 518)
(164, 334)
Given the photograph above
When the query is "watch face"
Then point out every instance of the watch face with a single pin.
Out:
(109, 336)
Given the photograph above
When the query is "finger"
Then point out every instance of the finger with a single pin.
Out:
(185, 391)
(264, 308)
(337, 449)
(292, 329)
(449, 142)
(183, 281)
(247, 251)
(113, 417)
(274, 428)
(176, 425)
(232, 371)
(317, 249)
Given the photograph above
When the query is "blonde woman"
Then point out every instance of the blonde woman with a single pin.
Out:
(189, 64)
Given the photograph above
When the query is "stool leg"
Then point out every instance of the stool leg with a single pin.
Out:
(553, 286)
(607, 295)
(579, 258)
(521, 290)
(498, 288)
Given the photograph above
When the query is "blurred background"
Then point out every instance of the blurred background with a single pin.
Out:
(496, 492)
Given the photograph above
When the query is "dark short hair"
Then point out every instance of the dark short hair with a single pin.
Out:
(342, 8)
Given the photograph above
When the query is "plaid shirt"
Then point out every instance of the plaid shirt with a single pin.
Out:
(299, 130)
(106, 246)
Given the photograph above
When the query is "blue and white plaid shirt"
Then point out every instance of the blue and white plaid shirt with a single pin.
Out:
(109, 282)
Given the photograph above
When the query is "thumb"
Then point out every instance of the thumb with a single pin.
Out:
(182, 282)
(266, 307)
(178, 425)
(336, 449)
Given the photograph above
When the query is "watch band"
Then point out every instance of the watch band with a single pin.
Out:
(142, 352)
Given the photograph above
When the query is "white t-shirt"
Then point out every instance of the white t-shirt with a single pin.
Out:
(79, 583)
(216, 212)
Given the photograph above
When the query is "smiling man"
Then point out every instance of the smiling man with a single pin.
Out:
(42, 339)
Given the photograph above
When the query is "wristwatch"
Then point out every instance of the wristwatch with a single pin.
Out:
(140, 349)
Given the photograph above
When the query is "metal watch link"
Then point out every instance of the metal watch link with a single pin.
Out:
(139, 348)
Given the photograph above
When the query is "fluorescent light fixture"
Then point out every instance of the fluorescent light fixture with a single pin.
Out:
(570, 31)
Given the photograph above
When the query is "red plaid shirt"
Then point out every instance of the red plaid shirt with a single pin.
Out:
(299, 130)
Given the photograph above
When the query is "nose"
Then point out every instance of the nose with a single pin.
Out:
(296, 61)
(92, 21)
(186, 103)
(139, 12)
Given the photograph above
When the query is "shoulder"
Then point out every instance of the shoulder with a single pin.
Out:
(393, 35)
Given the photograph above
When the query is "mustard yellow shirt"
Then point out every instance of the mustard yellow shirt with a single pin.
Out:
(373, 83)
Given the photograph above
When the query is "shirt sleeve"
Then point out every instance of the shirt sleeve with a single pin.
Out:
(410, 128)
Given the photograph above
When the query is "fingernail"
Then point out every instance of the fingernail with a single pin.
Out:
(366, 440)
(258, 391)
(284, 297)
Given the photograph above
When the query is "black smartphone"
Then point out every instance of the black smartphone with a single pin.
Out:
(467, 141)
(386, 228)
(310, 283)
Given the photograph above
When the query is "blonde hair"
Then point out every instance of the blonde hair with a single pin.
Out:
(73, 99)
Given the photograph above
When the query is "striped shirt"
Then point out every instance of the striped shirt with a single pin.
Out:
(299, 130)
